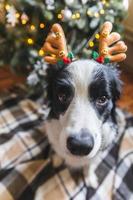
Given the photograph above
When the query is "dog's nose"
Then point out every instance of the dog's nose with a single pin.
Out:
(80, 144)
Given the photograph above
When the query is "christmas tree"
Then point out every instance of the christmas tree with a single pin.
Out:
(24, 24)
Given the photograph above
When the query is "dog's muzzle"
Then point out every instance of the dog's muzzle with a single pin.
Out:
(80, 144)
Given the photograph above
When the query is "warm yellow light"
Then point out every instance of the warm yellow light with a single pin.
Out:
(73, 16)
(59, 16)
(77, 15)
(24, 21)
(96, 14)
(7, 6)
(107, 4)
(30, 41)
(32, 27)
(104, 1)
(89, 13)
(91, 44)
(17, 15)
(102, 11)
(97, 36)
(42, 25)
(41, 52)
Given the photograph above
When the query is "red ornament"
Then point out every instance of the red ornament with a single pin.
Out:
(100, 59)
(66, 60)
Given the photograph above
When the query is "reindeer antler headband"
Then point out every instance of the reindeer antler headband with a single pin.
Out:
(115, 53)
(55, 46)
(110, 48)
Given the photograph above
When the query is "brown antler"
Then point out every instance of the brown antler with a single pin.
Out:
(55, 47)
(116, 52)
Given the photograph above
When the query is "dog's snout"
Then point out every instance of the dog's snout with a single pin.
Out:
(80, 144)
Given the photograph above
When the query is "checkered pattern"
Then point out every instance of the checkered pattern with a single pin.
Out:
(30, 170)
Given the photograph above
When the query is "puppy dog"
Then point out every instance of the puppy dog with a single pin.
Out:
(82, 120)
(81, 96)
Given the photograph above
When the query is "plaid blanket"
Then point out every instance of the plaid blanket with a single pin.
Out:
(30, 170)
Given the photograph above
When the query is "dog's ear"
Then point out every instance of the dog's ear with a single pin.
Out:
(115, 83)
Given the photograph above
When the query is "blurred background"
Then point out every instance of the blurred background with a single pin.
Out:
(24, 25)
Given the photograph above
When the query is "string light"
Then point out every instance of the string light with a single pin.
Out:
(77, 15)
(17, 15)
(24, 21)
(96, 14)
(97, 36)
(91, 44)
(32, 27)
(7, 7)
(107, 4)
(41, 52)
(42, 25)
(104, 2)
(59, 16)
(102, 11)
(89, 13)
(73, 16)
(30, 41)
(24, 18)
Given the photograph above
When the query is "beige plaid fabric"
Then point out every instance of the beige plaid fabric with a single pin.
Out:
(30, 170)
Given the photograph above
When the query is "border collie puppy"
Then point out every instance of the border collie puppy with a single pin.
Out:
(82, 119)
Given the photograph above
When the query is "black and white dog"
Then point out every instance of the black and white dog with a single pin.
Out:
(82, 120)
(82, 96)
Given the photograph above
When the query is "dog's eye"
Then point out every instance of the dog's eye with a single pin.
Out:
(102, 100)
(63, 98)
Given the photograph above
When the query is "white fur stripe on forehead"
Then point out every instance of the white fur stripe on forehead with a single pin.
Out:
(82, 71)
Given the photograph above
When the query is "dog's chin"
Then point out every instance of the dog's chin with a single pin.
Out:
(77, 161)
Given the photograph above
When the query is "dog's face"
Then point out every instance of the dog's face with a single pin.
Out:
(82, 121)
